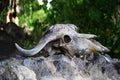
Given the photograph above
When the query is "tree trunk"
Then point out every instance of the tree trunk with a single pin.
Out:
(9, 10)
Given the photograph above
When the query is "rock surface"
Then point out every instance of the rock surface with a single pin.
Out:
(60, 67)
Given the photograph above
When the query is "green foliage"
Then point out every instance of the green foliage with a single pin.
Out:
(91, 16)
(3, 12)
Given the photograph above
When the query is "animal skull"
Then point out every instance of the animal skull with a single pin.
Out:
(64, 37)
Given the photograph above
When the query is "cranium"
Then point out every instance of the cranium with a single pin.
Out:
(64, 37)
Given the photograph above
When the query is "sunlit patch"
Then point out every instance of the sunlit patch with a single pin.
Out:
(40, 2)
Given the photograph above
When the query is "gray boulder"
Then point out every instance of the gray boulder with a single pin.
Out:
(60, 67)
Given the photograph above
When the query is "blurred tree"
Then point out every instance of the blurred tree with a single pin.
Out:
(9, 10)
(10, 32)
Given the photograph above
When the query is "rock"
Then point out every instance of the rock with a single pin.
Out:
(9, 34)
(59, 67)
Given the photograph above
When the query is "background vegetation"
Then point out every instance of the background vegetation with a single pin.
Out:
(99, 17)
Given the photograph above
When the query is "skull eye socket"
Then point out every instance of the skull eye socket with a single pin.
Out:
(66, 38)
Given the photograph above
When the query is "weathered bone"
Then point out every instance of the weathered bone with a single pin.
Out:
(64, 36)
(79, 44)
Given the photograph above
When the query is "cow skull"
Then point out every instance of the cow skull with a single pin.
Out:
(64, 37)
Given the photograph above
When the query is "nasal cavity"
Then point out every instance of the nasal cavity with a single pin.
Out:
(67, 38)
